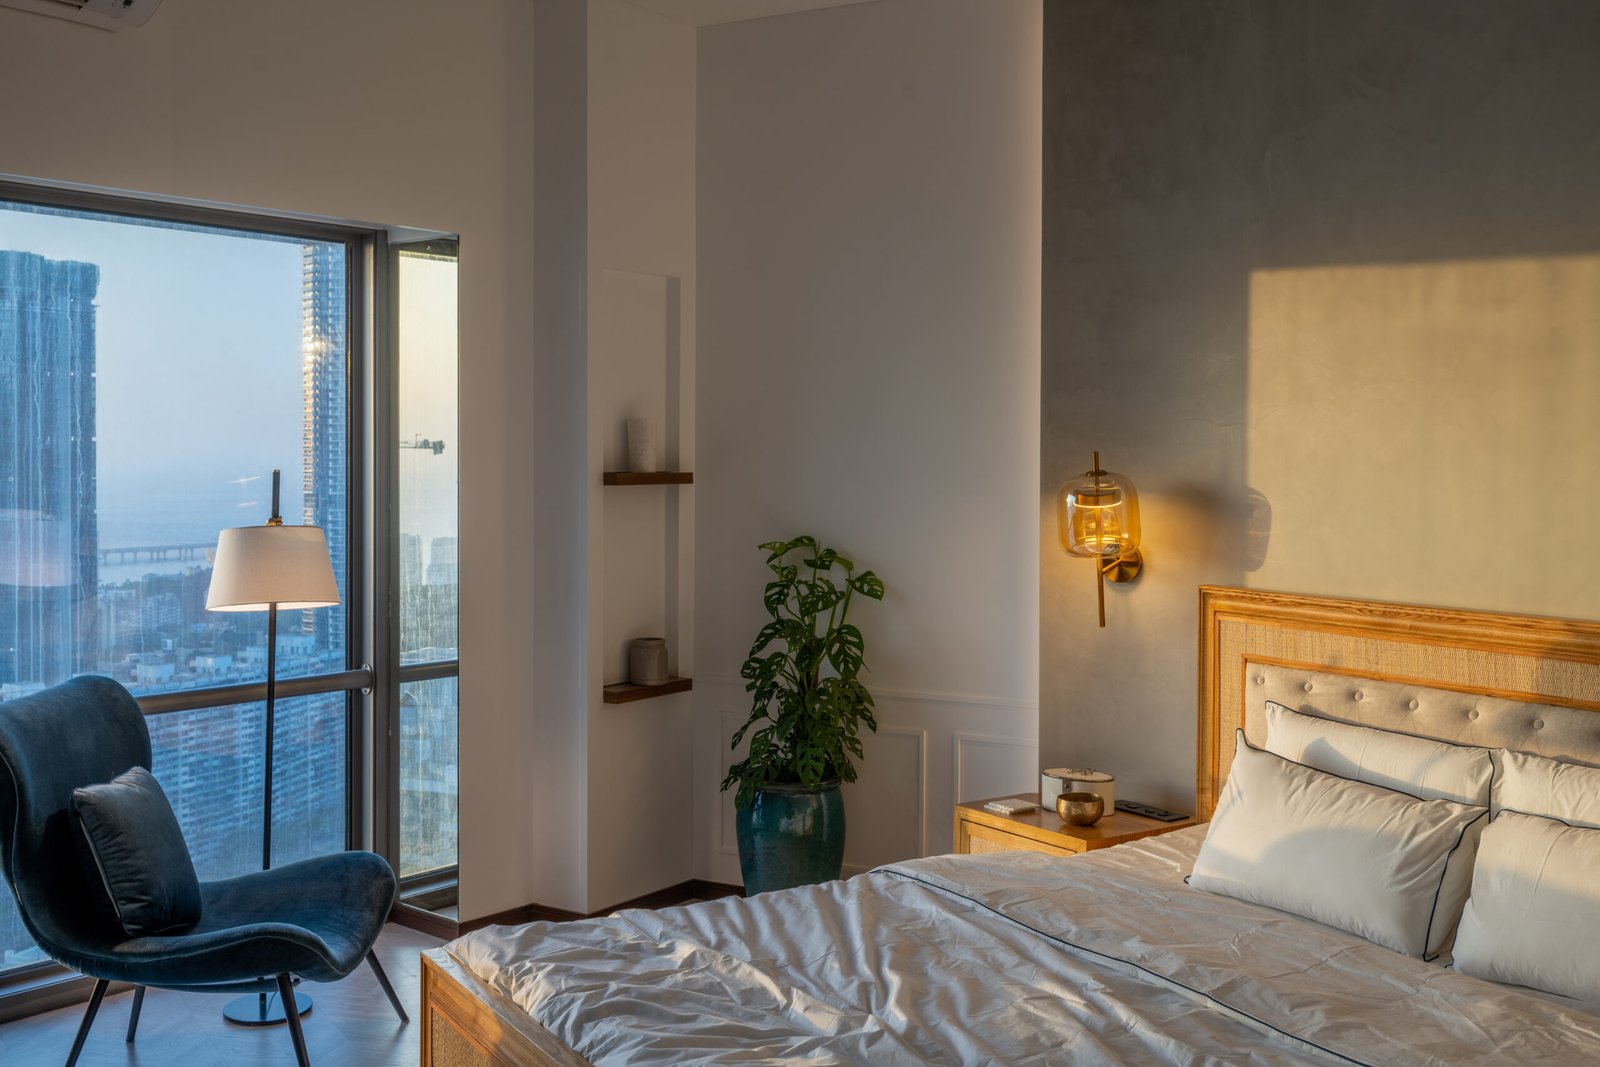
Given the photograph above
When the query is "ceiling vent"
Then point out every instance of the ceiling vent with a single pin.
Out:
(105, 14)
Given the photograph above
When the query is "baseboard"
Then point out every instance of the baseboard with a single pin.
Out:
(693, 889)
(424, 921)
(713, 890)
(526, 913)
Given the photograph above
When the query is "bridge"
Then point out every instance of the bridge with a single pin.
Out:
(155, 553)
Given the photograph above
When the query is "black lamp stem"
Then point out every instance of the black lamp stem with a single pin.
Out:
(276, 519)
(248, 1010)
(272, 693)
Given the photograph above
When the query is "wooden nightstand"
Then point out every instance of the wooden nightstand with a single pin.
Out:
(1043, 831)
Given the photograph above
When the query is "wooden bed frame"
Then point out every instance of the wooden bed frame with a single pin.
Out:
(1518, 681)
(1486, 678)
(467, 1024)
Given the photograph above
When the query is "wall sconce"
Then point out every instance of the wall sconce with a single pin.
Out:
(1098, 514)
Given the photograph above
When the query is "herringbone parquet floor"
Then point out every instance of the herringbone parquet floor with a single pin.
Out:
(351, 1025)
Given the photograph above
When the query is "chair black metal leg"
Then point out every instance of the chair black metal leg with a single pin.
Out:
(286, 991)
(88, 1020)
(383, 980)
(133, 1020)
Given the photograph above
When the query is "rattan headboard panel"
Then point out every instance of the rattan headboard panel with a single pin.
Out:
(1480, 678)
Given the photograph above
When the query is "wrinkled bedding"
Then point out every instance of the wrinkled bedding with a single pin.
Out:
(1008, 958)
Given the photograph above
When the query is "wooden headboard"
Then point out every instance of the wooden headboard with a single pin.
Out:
(1500, 681)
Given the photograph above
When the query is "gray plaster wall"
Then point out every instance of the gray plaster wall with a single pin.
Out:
(1322, 279)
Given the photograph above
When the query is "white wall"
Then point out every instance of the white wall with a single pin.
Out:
(869, 373)
(868, 207)
(560, 256)
(407, 113)
(641, 345)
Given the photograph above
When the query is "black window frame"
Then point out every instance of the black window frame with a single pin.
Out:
(426, 891)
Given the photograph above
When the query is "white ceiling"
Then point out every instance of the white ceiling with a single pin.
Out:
(711, 12)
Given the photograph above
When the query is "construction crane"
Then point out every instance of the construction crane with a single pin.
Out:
(427, 444)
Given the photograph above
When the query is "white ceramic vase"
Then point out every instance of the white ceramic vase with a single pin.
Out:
(641, 446)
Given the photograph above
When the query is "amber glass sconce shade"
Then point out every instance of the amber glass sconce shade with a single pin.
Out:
(1098, 518)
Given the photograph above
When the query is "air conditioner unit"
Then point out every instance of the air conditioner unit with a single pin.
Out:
(105, 14)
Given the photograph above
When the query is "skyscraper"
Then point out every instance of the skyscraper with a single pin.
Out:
(323, 356)
(49, 562)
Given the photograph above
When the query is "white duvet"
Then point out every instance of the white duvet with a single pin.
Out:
(1008, 958)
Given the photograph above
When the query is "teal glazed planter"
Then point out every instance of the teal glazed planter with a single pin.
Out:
(791, 835)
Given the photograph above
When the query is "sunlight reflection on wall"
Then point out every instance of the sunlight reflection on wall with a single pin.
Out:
(1427, 432)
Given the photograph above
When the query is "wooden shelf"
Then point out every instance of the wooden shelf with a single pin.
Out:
(653, 478)
(627, 692)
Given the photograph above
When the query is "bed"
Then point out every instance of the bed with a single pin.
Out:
(1106, 958)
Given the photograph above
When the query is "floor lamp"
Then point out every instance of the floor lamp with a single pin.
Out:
(264, 568)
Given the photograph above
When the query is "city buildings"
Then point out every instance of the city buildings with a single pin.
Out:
(326, 471)
(48, 536)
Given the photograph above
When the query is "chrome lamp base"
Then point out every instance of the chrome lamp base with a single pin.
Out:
(262, 1009)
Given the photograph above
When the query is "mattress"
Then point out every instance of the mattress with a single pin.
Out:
(1007, 958)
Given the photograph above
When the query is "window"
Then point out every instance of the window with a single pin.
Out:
(426, 472)
(153, 372)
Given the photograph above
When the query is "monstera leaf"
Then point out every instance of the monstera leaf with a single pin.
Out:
(808, 705)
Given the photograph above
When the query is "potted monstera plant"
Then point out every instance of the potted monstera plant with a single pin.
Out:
(807, 709)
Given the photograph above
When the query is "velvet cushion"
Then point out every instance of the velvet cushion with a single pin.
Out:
(136, 854)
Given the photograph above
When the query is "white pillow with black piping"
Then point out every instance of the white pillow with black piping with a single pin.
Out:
(1350, 855)
(1535, 907)
(1537, 785)
(1420, 766)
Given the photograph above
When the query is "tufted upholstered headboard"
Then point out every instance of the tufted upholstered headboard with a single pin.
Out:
(1477, 678)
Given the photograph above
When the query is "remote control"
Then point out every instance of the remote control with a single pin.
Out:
(1133, 807)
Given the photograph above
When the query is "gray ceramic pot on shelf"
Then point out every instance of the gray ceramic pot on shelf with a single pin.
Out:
(647, 661)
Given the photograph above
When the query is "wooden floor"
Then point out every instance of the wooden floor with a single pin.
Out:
(350, 1025)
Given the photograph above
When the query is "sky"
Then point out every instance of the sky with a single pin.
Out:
(427, 403)
(198, 374)
(197, 371)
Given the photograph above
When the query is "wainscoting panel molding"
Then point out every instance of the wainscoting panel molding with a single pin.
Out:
(727, 829)
(931, 751)
(987, 766)
(893, 786)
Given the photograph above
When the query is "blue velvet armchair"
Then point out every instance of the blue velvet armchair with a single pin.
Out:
(316, 919)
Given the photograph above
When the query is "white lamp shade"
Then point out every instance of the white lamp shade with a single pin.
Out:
(258, 566)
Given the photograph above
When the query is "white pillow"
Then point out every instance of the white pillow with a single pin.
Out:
(1346, 854)
(1432, 770)
(1427, 769)
(1534, 785)
(1535, 907)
